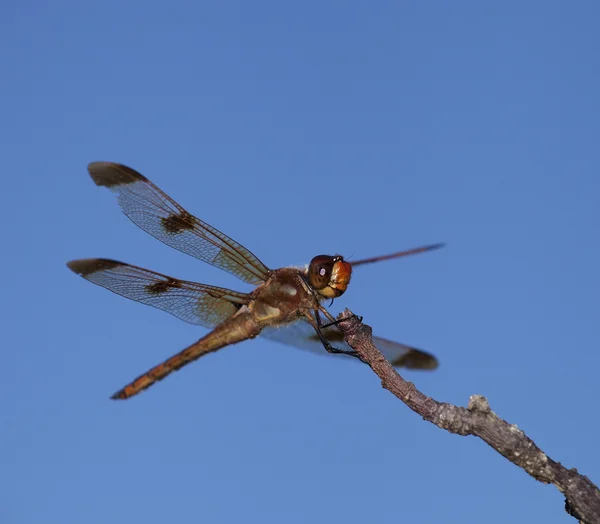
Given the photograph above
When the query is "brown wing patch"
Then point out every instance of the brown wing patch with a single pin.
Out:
(175, 224)
(108, 174)
(156, 288)
(416, 359)
(88, 266)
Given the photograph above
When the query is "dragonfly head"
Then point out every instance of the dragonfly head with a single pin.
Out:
(329, 275)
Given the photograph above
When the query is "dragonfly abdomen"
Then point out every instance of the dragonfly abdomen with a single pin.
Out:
(237, 328)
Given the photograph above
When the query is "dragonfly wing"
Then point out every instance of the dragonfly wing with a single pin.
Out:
(302, 335)
(190, 301)
(159, 215)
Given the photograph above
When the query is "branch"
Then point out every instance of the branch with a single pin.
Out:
(582, 497)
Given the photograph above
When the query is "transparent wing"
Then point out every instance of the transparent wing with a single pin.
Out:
(302, 335)
(192, 302)
(158, 214)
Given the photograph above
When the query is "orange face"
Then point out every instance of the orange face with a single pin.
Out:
(329, 276)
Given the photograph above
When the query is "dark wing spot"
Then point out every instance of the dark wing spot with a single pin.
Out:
(162, 286)
(109, 174)
(416, 359)
(87, 266)
(175, 224)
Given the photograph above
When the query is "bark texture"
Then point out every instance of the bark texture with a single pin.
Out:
(582, 497)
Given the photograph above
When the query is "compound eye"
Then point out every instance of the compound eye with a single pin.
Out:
(319, 271)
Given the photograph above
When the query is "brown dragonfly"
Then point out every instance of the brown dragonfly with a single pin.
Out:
(286, 305)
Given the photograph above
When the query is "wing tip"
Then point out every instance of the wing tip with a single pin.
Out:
(88, 266)
(111, 174)
(417, 359)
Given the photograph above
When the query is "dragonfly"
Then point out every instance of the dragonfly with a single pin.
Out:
(286, 304)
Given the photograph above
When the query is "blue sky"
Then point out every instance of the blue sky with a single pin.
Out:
(301, 129)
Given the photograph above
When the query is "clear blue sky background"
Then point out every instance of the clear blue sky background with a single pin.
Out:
(298, 129)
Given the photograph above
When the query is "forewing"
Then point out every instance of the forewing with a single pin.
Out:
(158, 214)
(192, 302)
(302, 335)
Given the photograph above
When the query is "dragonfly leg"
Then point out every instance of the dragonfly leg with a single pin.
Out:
(336, 322)
(330, 348)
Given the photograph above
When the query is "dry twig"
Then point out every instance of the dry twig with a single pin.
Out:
(582, 497)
